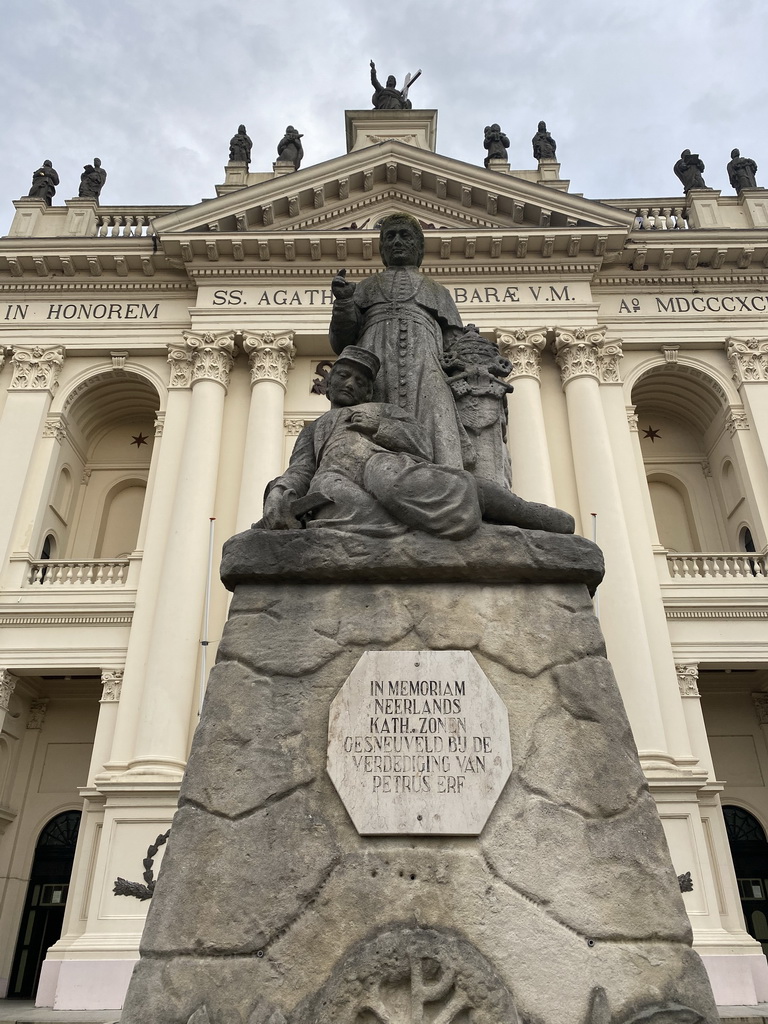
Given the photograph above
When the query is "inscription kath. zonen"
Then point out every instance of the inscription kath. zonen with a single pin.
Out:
(417, 739)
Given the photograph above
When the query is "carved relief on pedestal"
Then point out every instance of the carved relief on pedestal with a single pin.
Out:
(748, 358)
(687, 679)
(577, 352)
(270, 355)
(413, 975)
(36, 369)
(201, 357)
(523, 349)
(112, 685)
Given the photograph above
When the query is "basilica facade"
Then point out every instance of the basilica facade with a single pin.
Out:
(158, 366)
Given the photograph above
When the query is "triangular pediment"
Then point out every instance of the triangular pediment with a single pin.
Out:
(353, 192)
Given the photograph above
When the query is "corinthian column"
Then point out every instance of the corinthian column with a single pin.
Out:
(578, 354)
(270, 358)
(527, 439)
(35, 378)
(749, 368)
(202, 362)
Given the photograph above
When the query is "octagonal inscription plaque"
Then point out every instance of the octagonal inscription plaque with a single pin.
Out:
(418, 744)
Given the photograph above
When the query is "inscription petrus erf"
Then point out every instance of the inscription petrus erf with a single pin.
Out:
(418, 744)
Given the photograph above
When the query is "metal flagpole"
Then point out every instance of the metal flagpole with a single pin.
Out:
(594, 540)
(204, 641)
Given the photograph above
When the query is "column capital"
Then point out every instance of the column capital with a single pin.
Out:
(37, 711)
(112, 684)
(688, 678)
(523, 348)
(749, 359)
(55, 427)
(633, 419)
(736, 419)
(270, 356)
(7, 685)
(293, 427)
(760, 702)
(36, 368)
(201, 357)
(583, 352)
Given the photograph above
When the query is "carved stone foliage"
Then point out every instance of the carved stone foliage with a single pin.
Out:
(523, 349)
(55, 427)
(37, 710)
(270, 356)
(112, 685)
(36, 369)
(201, 357)
(748, 358)
(579, 353)
(320, 380)
(609, 355)
(736, 419)
(293, 427)
(760, 702)
(7, 686)
(687, 680)
(413, 976)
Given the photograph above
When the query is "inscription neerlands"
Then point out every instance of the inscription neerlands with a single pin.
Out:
(418, 744)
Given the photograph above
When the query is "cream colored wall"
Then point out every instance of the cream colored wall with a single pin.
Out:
(45, 767)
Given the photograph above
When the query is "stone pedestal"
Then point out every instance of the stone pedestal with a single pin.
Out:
(272, 909)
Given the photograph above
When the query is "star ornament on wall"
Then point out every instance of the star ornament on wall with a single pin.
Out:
(139, 439)
(651, 434)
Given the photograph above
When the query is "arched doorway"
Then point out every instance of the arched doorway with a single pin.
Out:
(43, 914)
(749, 850)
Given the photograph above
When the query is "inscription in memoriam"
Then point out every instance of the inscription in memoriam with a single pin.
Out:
(418, 744)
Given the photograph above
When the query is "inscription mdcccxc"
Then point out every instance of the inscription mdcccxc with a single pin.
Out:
(422, 753)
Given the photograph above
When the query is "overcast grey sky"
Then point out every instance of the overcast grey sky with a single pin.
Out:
(156, 88)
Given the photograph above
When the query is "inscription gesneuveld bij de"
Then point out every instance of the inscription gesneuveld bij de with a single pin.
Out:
(419, 754)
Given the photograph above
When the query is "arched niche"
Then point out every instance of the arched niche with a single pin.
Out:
(120, 519)
(106, 456)
(681, 415)
(672, 511)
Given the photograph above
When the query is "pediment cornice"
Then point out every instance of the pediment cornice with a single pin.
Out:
(357, 189)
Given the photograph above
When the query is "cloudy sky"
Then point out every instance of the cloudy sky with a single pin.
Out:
(156, 88)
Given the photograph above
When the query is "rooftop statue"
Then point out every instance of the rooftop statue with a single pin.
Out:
(408, 321)
(240, 146)
(544, 146)
(689, 169)
(368, 467)
(496, 142)
(741, 171)
(92, 180)
(289, 148)
(44, 182)
(389, 97)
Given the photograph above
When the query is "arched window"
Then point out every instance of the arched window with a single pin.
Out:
(672, 512)
(43, 914)
(746, 541)
(742, 826)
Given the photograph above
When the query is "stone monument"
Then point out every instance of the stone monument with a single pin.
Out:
(413, 796)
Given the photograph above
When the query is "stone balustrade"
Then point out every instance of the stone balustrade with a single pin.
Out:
(655, 215)
(729, 566)
(126, 221)
(74, 573)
